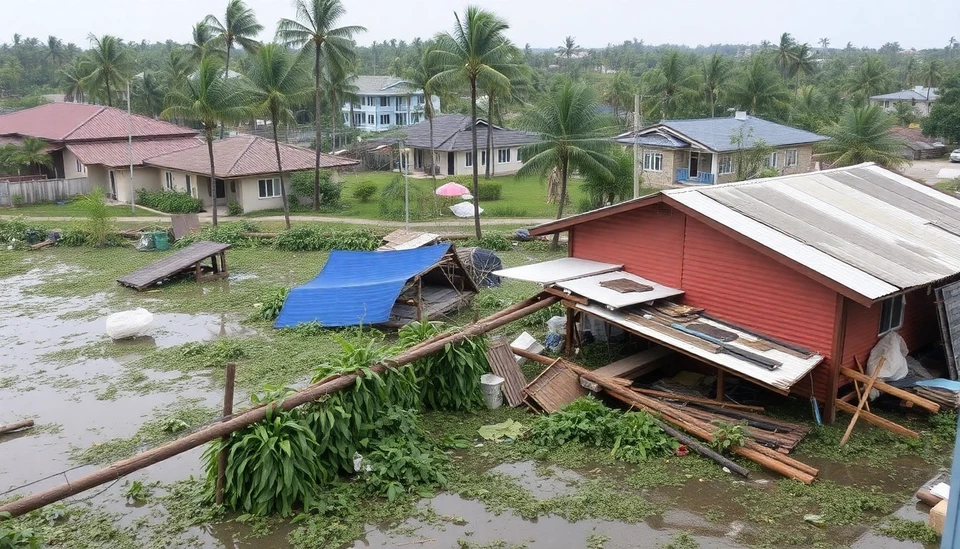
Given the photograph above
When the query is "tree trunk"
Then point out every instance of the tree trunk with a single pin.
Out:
(283, 188)
(316, 123)
(476, 159)
(563, 198)
(489, 133)
(713, 106)
(433, 158)
(213, 173)
(226, 77)
(109, 98)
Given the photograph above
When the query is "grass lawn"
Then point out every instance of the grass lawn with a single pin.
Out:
(68, 209)
(521, 198)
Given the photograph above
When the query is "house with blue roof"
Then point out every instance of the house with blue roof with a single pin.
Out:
(919, 97)
(702, 151)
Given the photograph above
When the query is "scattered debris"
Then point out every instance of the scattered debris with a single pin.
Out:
(127, 324)
(9, 428)
(504, 365)
(498, 432)
(555, 387)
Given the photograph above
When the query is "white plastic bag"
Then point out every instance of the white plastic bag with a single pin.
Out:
(129, 323)
(894, 349)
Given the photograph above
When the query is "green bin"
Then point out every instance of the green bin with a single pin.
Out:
(161, 241)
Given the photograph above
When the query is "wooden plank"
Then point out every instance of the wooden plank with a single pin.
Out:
(677, 334)
(637, 365)
(931, 407)
(877, 420)
(191, 256)
(948, 299)
(505, 365)
(555, 387)
(863, 400)
(697, 400)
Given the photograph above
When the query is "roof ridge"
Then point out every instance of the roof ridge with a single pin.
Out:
(253, 139)
(759, 180)
(80, 125)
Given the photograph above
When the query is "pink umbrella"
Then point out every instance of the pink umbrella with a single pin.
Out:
(452, 189)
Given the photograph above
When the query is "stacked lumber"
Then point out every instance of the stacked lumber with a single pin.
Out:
(944, 397)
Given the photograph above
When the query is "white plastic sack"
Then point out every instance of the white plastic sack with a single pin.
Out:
(129, 323)
(557, 324)
(526, 342)
(893, 348)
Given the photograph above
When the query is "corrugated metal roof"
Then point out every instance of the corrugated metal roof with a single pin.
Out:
(451, 132)
(912, 94)
(864, 227)
(244, 155)
(114, 153)
(556, 270)
(80, 122)
(382, 85)
(716, 133)
(791, 370)
(658, 140)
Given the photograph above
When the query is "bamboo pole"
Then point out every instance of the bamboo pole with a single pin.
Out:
(309, 394)
(870, 417)
(16, 426)
(927, 405)
(863, 400)
(227, 412)
(697, 400)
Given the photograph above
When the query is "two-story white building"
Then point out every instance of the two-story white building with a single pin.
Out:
(385, 102)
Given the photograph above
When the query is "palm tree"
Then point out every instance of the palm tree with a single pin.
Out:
(670, 81)
(498, 94)
(151, 91)
(71, 79)
(338, 89)
(861, 135)
(207, 98)
(568, 49)
(239, 26)
(801, 64)
(315, 31)
(178, 66)
(785, 53)
(421, 78)
(619, 94)
(904, 113)
(757, 88)
(715, 72)
(110, 65)
(277, 82)
(201, 43)
(476, 48)
(572, 138)
(824, 44)
(871, 77)
(33, 152)
(910, 72)
(55, 55)
(931, 74)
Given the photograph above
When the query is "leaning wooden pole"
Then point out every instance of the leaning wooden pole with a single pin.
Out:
(16, 426)
(309, 394)
(227, 412)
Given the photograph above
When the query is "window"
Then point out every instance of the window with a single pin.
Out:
(233, 187)
(469, 159)
(791, 158)
(169, 178)
(370, 119)
(384, 101)
(771, 161)
(653, 161)
(269, 188)
(384, 119)
(370, 101)
(483, 158)
(80, 167)
(189, 190)
(891, 314)
(886, 104)
(519, 155)
(725, 164)
(503, 156)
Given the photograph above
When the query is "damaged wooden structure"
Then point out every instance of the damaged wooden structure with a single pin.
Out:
(189, 260)
(808, 271)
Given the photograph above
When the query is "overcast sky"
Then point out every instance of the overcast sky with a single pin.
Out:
(541, 23)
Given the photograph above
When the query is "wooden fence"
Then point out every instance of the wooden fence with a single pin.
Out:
(45, 190)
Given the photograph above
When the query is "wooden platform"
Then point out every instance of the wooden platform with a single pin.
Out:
(438, 301)
(636, 365)
(189, 259)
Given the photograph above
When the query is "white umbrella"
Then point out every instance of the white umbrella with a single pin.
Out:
(464, 209)
(467, 196)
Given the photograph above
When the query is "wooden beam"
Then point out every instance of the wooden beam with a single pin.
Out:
(921, 402)
(863, 400)
(720, 381)
(836, 360)
(696, 400)
(9, 428)
(877, 420)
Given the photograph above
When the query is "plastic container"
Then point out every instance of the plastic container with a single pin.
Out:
(491, 386)
(161, 241)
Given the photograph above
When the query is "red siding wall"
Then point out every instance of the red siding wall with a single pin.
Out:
(919, 326)
(648, 242)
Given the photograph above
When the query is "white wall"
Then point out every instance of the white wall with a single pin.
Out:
(143, 178)
(499, 168)
(249, 194)
(70, 166)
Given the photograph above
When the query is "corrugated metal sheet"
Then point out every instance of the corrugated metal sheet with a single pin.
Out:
(791, 370)
(244, 156)
(868, 229)
(114, 153)
(548, 272)
(590, 287)
(79, 122)
(649, 242)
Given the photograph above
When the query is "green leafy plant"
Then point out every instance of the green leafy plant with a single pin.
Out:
(98, 221)
(214, 355)
(491, 241)
(451, 378)
(15, 229)
(16, 200)
(365, 191)
(13, 536)
(234, 208)
(728, 436)
(169, 201)
(302, 239)
(301, 183)
(402, 459)
(909, 530)
(269, 307)
(72, 238)
(137, 491)
(631, 436)
(228, 233)
(272, 465)
(489, 190)
(506, 210)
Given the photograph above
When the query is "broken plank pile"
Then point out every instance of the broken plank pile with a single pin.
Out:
(681, 418)
(779, 435)
(946, 398)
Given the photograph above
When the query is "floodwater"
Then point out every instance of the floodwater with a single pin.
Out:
(62, 397)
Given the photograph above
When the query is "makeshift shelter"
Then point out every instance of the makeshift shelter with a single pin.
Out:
(386, 288)
(481, 263)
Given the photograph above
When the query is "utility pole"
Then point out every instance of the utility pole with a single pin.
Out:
(636, 145)
(404, 167)
(133, 207)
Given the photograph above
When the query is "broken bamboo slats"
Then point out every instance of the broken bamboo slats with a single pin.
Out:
(11, 427)
(309, 394)
(931, 407)
(697, 400)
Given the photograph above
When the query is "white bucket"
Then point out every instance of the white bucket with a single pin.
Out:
(492, 395)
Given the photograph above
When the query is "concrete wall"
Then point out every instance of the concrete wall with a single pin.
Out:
(921, 108)
(70, 166)
(804, 163)
(143, 178)
(667, 176)
(461, 168)
(249, 194)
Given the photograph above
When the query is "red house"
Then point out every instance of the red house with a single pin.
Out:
(828, 261)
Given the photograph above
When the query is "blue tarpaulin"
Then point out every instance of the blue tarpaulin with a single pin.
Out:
(357, 287)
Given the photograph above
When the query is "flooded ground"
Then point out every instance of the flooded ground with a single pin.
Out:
(94, 400)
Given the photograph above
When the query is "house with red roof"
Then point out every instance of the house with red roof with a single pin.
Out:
(100, 143)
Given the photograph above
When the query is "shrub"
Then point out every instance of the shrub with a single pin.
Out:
(365, 191)
(174, 202)
(301, 239)
(72, 238)
(16, 200)
(13, 535)
(228, 233)
(301, 185)
(491, 241)
(234, 208)
(489, 190)
(402, 459)
(15, 229)
(451, 378)
(98, 221)
(271, 305)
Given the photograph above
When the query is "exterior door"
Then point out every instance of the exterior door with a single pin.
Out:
(451, 162)
(694, 164)
(221, 189)
(113, 185)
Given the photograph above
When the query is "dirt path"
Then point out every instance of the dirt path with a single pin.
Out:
(519, 222)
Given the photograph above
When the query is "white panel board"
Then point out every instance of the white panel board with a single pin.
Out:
(590, 288)
(557, 270)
